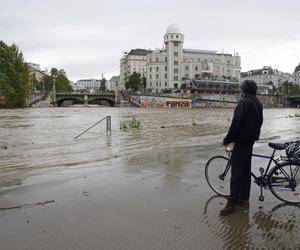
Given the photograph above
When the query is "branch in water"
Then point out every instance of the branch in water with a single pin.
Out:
(26, 205)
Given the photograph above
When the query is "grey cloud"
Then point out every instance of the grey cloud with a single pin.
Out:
(87, 38)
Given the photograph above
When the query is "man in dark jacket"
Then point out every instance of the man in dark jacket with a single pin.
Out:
(243, 132)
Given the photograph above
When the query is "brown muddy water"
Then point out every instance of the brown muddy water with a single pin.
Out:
(141, 189)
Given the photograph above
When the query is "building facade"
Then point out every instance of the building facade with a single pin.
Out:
(296, 75)
(134, 61)
(88, 84)
(114, 84)
(174, 65)
(36, 72)
(267, 76)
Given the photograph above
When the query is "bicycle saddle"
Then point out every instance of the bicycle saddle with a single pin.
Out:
(277, 146)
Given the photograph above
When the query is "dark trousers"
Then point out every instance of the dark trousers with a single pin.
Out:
(240, 181)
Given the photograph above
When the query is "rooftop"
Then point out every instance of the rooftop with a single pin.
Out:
(115, 78)
(139, 52)
(199, 51)
(3, 43)
(173, 29)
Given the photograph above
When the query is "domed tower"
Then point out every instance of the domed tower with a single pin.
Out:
(174, 47)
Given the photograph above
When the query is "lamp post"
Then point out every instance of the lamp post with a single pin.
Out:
(54, 91)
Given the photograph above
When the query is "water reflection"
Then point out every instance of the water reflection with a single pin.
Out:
(275, 228)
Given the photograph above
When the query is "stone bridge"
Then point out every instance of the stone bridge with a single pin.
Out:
(85, 99)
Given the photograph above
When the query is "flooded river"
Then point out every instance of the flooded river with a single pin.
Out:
(43, 138)
(136, 189)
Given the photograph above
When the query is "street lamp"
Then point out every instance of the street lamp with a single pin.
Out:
(54, 91)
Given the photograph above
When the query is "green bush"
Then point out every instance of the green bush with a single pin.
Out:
(131, 123)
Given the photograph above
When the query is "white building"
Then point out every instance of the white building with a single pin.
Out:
(36, 72)
(87, 84)
(267, 75)
(173, 65)
(134, 61)
(296, 75)
(114, 84)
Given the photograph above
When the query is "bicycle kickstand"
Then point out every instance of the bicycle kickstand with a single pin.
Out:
(261, 197)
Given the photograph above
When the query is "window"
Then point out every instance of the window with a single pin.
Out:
(166, 59)
(157, 68)
(150, 69)
(176, 71)
(176, 78)
(156, 59)
(196, 68)
(186, 67)
(166, 68)
(177, 36)
(150, 84)
(171, 36)
(175, 53)
(166, 76)
(159, 84)
(228, 61)
(150, 76)
(166, 84)
(175, 62)
(176, 44)
(157, 76)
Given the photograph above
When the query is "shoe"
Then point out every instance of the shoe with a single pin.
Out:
(244, 204)
(228, 209)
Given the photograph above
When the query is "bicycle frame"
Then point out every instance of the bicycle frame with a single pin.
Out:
(264, 172)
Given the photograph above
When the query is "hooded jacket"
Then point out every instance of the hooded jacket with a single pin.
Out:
(247, 118)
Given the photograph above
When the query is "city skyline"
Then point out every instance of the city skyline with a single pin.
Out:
(89, 39)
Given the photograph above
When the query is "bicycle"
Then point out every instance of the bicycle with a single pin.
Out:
(283, 179)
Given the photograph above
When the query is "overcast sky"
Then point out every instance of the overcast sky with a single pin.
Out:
(88, 37)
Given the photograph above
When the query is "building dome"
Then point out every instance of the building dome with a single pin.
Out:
(173, 28)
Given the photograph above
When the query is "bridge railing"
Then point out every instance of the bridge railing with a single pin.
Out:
(108, 126)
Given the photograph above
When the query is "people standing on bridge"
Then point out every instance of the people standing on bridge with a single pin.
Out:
(243, 132)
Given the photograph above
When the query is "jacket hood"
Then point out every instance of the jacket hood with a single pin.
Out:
(249, 87)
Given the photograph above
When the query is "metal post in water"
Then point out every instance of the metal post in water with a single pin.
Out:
(108, 124)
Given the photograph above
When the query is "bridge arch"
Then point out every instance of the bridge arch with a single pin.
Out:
(99, 100)
(84, 98)
(74, 100)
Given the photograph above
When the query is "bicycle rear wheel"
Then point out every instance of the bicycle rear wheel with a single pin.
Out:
(217, 174)
(284, 182)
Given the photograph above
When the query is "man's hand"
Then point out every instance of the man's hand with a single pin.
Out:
(229, 147)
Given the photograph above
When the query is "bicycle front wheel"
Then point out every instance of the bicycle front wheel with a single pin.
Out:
(284, 182)
(217, 174)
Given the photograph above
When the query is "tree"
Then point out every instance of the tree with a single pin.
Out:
(14, 76)
(48, 82)
(289, 88)
(62, 83)
(34, 83)
(134, 81)
(144, 80)
(103, 84)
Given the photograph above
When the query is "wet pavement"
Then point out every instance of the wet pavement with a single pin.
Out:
(134, 190)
